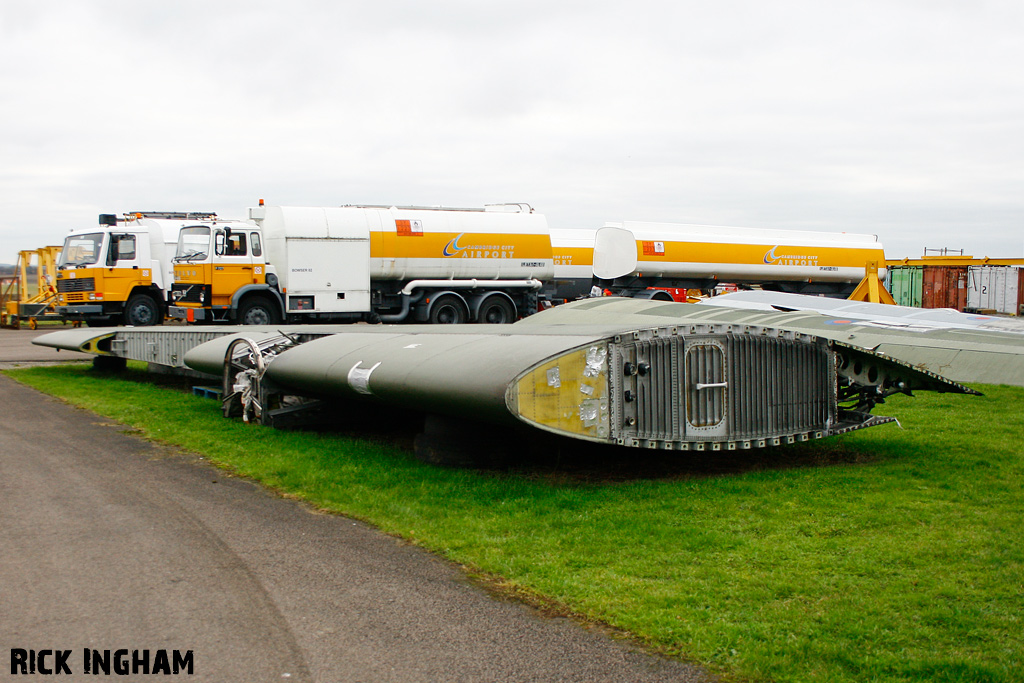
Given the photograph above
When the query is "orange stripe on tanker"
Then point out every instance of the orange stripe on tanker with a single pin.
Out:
(573, 256)
(463, 245)
(754, 254)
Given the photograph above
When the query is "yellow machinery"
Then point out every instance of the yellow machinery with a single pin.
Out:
(29, 299)
(871, 289)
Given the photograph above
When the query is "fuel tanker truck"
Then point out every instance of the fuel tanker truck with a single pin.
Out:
(367, 262)
(121, 270)
(645, 260)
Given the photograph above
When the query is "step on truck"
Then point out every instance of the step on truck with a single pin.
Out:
(120, 272)
(364, 263)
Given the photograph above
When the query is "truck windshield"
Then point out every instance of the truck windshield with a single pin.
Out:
(81, 250)
(193, 244)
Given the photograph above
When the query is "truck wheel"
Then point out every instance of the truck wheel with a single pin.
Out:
(258, 311)
(448, 309)
(654, 295)
(141, 311)
(496, 310)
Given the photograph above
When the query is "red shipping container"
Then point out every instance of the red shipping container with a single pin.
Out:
(944, 287)
(1020, 290)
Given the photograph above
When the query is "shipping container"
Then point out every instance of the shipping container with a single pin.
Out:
(944, 287)
(995, 289)
(904, 283)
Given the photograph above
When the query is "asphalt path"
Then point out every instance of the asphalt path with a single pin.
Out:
(16, 349)
(108, 541)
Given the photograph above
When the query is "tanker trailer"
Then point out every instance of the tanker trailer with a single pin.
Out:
(631, 258)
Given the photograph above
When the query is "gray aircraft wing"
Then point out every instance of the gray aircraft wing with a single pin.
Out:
(617, 371)
(609, 370)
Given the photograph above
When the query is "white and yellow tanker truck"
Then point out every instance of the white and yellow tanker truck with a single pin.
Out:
(374, 263)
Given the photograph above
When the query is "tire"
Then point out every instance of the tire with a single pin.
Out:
(496, 310)
(258, 311)
(142, 311)
(448, 309)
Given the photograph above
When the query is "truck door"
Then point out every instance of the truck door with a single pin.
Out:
(233, 264)
(122, 270)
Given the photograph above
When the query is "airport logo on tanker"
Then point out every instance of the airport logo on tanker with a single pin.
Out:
(773, 259)
(456, 250)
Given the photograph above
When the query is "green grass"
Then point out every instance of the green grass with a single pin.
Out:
(885, 555)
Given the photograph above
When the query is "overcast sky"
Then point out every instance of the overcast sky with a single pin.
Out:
(901, 118)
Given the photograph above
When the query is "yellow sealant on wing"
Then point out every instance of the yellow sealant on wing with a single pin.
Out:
(567, 394)
(93, 345)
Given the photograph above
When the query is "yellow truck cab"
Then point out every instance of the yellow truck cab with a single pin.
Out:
(120, 272)
(220, 275)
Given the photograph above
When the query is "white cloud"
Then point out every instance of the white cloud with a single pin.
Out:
(896, 118)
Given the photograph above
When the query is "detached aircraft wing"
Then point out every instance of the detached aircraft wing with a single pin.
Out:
(616, 371)
(610, 370)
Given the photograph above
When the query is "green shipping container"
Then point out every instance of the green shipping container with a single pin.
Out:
(905, 285)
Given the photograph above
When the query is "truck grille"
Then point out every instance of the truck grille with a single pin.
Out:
(738, 389)
(83, 284)
(190, 294)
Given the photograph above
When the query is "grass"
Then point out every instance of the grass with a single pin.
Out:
(884, 555)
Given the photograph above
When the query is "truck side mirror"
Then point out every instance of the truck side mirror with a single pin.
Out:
(218, 243)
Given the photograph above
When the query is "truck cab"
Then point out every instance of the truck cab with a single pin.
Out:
(110, 275)
(221, 275)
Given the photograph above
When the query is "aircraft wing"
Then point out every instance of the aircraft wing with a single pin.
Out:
(608, 370)
(616, 371)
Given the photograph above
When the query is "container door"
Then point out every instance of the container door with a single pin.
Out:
(958, 287)
(975, 288)
(906, 285)
(945, 287)
(1019, 294)
(898, 285)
